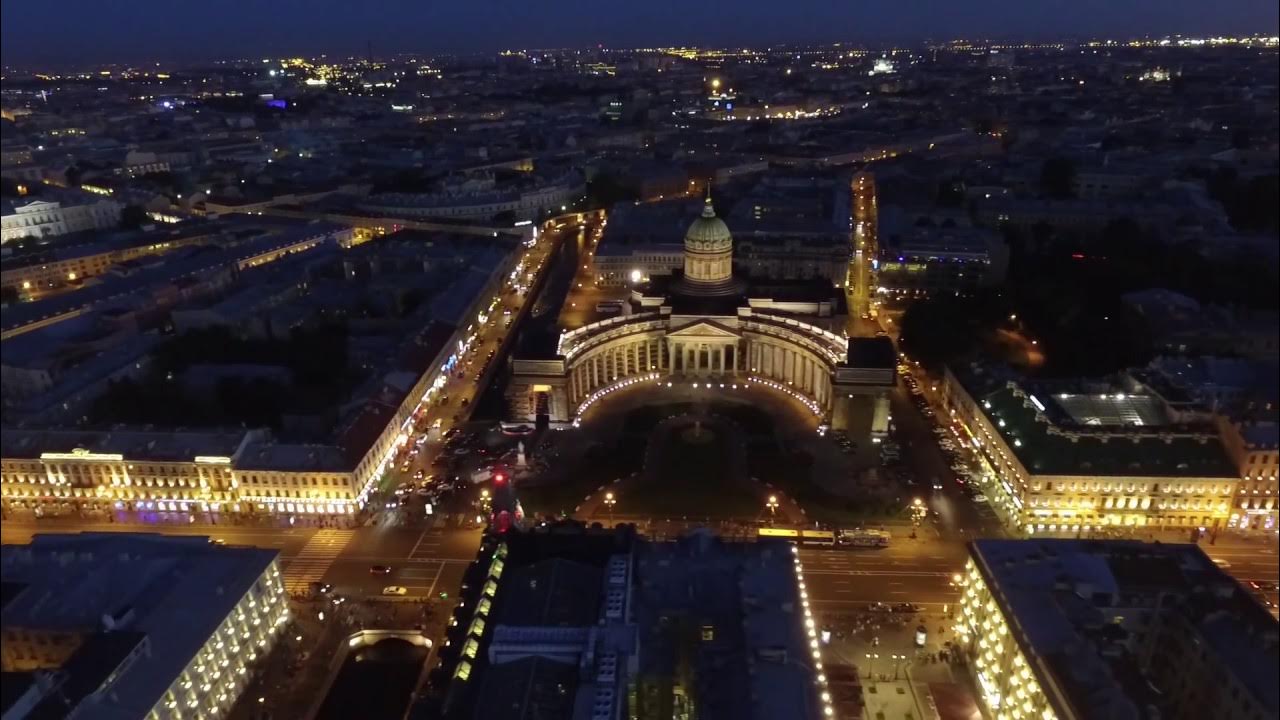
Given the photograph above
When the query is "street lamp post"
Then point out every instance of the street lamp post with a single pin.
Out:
(918, 513)
(772, 504)
(610, 501)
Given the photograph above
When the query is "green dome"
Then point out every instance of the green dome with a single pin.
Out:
(708, 232)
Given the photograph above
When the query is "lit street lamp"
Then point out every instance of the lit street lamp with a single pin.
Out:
(610, 501)
(772, 504)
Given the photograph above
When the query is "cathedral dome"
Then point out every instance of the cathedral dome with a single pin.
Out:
(708, 232)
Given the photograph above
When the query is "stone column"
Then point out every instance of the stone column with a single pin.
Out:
(720, 358)
(688, 357)
(595, 371)
(671, 357)
(737, 349)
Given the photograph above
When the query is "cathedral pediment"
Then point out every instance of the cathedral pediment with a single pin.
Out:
(704, 329)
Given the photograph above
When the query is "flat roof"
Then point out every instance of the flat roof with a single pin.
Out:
(1057, 596)
(175, 591)
(160, 445)
(1048, 442)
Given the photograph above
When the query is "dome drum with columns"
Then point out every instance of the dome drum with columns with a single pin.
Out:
(706, 324)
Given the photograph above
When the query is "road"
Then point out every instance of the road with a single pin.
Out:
(426, 561)
(915, 571)
(864, 249)
(584, 291)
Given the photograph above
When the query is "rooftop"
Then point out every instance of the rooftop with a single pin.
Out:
(170, 592)
(1066, 603)
(1058, 433)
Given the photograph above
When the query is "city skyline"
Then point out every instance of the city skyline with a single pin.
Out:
(450, 363)
(145, 31)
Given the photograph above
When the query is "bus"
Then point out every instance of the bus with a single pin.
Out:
(768, 532)
(865, 538)
(825, 538)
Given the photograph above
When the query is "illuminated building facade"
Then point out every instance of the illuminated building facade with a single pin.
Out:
(1087, 458)
(50, 472)
(706, 325)
(1256, 451)
(145, 627)
(70, 212)
(1083, 629)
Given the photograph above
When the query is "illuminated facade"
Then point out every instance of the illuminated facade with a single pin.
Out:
(137, 626)
(707, 327)
(52, 472)
(1254, 448)
(1047, 469)
(72, 212)
(55, 472)
(1070, 629)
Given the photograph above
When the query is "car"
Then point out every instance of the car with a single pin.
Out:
(1262, 585)
(960, 469)
(218, 541)
(451, 432)
(1221, 563)
(395, 590)
(980, 498)
(379, 569)
(878, 607)
(905, 607)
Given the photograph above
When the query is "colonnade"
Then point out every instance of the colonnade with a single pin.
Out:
(607, 364)
(713, 356)
(786, 363)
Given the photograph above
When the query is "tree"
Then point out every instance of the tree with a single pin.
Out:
(1058, 177)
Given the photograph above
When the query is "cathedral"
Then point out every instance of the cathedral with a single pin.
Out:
(707, 324)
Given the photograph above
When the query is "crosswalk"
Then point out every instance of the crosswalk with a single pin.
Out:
(315, 558)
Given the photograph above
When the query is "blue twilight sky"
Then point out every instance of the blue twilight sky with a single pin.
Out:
(75, 31)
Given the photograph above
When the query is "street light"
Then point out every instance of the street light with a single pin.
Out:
(772, 504)
(896, 660)
(610, 501)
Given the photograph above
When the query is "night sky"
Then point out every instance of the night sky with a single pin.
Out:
(75, 31)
